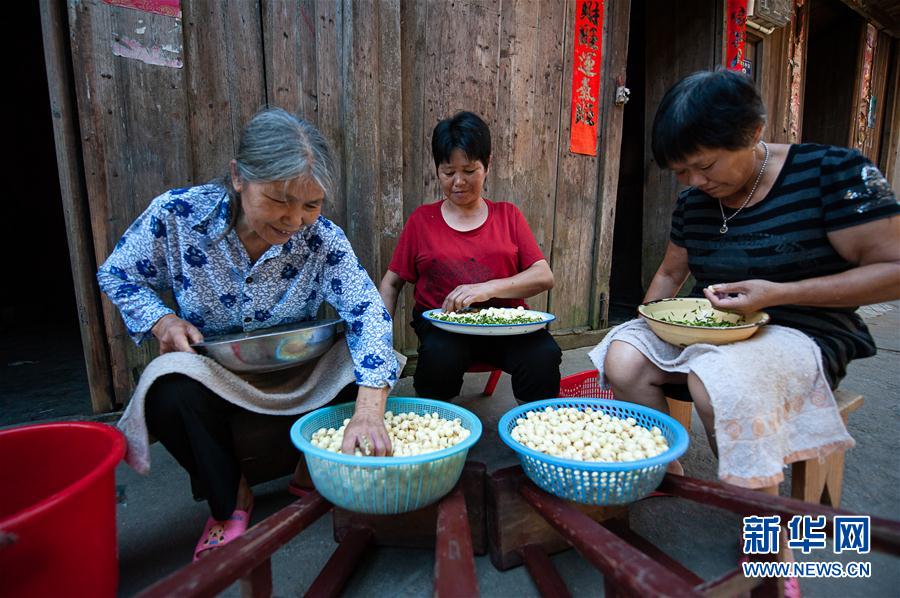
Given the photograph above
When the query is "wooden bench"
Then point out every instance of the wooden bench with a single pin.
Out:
(811, 480)
(517, 533)
(248, 558)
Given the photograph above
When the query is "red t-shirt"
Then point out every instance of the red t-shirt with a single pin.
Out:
(437, 258)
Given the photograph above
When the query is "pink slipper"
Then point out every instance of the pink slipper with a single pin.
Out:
(219, 533)
(792, 587)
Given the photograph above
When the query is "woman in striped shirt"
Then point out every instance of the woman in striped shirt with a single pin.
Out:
(806, 232)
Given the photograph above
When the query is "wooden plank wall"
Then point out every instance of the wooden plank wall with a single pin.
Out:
(54, 22)
(134, 125)
(682, 37)
(576, 212)
(375, 77)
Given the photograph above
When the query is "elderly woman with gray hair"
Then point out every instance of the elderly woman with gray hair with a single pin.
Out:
(249, 252)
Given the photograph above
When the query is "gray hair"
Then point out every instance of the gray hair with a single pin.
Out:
(277, 146)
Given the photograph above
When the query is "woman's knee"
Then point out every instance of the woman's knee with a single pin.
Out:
(438, 353)
(624, 364)
(169, 396)
(542, 356)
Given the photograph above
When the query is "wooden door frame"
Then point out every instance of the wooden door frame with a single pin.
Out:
(64, 112)
(617, 25)
(889, 158)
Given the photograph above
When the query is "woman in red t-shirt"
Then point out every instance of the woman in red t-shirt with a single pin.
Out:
(465, 250)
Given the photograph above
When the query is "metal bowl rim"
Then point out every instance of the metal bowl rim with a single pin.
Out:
(227, 339)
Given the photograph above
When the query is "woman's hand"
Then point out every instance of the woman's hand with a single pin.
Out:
(744, 297)
(466, 294)
(175, 334)
(366, 428)
(529, 282)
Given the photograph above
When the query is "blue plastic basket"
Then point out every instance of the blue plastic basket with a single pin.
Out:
(384, 485)
(591, 482)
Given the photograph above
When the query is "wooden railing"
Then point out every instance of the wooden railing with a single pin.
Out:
(248, 558)
(524, 523)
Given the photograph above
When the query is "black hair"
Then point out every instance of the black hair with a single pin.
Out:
(465, 131)
(709, 109)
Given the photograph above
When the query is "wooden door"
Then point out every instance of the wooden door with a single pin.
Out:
(682, 37)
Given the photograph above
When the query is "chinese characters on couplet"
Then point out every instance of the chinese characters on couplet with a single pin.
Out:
(586, 72)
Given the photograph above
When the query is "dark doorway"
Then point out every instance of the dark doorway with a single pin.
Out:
(43, 371)
(625, 289)
(835, 34)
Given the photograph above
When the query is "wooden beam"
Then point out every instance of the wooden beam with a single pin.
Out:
(622, 530)
(884, 14)
(626, 567)
(544, 575)
(734, 583)
(615, 55)
(340, 567)
(513, 524)
(63, 110)
(885, 533)
(417, 529)
(454, 561)
(242, 556)
(258, 584)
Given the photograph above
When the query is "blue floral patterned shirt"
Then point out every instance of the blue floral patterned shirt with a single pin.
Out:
(177, 244)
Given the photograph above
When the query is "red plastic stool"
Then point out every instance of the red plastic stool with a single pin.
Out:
(587, 384)
(492, 379)
(584, 384)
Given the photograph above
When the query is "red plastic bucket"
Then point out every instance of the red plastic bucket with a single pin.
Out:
(58, 509)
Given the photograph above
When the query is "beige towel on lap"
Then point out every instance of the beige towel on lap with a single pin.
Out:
(286, 392)
(770, 397)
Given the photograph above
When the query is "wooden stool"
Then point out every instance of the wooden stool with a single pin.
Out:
(417, 529)
(820, 482)
(514, 528)
(811, 480)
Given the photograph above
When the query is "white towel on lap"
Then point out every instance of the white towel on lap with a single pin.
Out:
(771, 400)
(286, 392)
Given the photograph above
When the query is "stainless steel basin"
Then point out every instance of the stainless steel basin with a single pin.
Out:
(272, 348)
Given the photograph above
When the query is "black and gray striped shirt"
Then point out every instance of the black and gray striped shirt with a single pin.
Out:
(783, 238)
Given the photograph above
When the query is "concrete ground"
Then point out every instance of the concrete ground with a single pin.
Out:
(40, 380)
(159, 522)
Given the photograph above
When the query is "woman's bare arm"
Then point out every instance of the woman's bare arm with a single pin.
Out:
(875, 249)
(670, 275)
(389, 289)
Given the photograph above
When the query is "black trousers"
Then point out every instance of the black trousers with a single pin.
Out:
(531, 359)
(194, 424)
